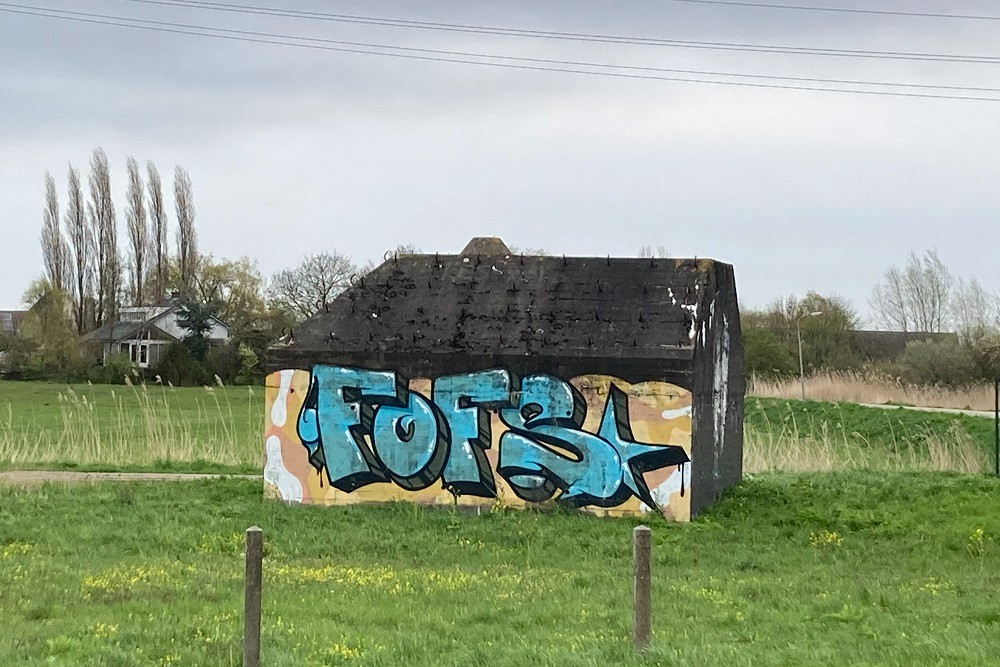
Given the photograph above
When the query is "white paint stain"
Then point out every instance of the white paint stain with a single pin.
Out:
(279, 409)
(692, 308)
(275, 472)
(720, 392)
(678, 479)
(677, 414)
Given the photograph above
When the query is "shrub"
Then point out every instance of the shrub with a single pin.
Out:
(114, 370)
(941, 362)
(179, 367)
(766, 354)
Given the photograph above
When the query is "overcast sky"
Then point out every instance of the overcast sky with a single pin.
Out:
(295, 151)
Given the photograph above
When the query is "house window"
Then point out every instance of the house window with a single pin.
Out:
(125, 348)
(143, 354)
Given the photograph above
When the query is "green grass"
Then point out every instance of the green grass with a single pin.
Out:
(218, 429)
(122, 428)
(846, 568)
(875, 428)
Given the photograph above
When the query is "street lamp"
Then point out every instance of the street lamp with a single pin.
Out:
(798, 334)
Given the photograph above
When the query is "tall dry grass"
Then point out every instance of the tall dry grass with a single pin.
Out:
(149, 428)
(774, 449)
(853, 387)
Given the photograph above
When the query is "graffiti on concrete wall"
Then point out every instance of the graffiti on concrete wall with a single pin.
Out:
(341, 435)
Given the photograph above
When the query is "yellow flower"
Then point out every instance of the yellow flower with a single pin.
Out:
(826, 538)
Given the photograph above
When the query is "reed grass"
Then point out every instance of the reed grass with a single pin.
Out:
(135, 426)
(791, 447)
(874, 388)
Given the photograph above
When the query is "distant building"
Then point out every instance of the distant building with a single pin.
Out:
(10, 321)
(144, 332)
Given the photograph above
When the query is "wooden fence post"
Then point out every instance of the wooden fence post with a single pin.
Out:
(642, 614)
(251, 599)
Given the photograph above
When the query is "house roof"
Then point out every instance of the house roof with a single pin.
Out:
(119, 331)
(491, 303)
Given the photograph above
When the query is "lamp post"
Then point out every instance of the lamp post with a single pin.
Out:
(798, 334)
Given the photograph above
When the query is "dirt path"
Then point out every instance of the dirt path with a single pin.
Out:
(950, 411)
(30, 478)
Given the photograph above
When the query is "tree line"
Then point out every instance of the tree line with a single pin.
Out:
(933, 327)
(81, 247)
(92, 268)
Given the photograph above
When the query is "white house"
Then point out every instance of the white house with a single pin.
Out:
(144, 332)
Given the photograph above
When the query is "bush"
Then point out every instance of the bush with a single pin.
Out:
(179, 367)
(114, 370)
(939, 362)
(766, 354)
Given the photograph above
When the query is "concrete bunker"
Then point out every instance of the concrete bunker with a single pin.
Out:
(614, 385)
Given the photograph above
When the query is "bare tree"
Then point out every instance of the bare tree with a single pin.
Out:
(187, 238)
(138, 231)
(916, 297)
(79, 246)
(104, 227)
(660, 252)
(311, 286)
(54, 249)
(158, 221)
(975, 312)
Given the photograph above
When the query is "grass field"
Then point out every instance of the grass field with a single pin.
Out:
(844, 568)
(219, 429)
(147, 427)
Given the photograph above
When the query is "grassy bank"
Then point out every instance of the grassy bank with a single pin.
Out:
(793, 435)
(218, 429)
(844, 568)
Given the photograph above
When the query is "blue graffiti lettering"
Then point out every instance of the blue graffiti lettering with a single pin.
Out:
(411, 443)
(336, 416)
(463, 400)
(414, 442)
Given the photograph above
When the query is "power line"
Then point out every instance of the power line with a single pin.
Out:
(567, 36)
(243, 36)
(541, 61)
(845, 10)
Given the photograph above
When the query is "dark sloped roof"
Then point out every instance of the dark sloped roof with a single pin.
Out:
(118, 331)
(510, 304)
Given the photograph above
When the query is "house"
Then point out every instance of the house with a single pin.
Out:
(10, 321)
(612, 385)
(144, 332)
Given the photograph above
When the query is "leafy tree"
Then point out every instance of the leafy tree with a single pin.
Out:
(48, 345)
(234, 289)
(196, 320)
(826, 337)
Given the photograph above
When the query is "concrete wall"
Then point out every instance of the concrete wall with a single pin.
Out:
(340, 435)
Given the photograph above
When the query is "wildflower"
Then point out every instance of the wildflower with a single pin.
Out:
(826, 538)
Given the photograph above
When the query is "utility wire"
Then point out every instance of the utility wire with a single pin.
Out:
(566, 36)
(245, 36)
(845, 10)
(541, 61)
